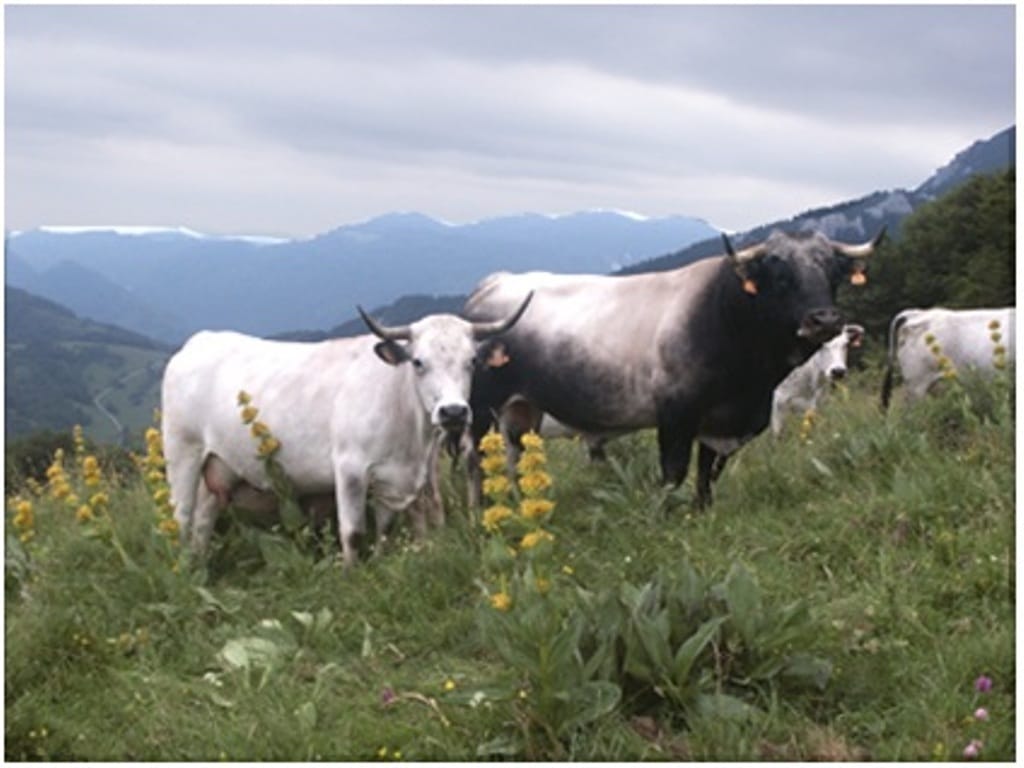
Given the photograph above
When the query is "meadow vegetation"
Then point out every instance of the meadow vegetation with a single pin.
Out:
(849, 596)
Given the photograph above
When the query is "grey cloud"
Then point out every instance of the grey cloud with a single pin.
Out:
(581, 99)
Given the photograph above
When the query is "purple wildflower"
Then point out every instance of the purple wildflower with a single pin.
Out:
(983, 684)
(387, 695)
(981, 714)
(973, 749)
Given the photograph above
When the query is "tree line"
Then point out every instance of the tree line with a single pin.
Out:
(957, 251)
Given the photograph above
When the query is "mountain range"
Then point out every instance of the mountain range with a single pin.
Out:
(169, 283)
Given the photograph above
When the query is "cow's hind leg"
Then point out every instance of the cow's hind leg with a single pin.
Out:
(184, 467)
(710, 464)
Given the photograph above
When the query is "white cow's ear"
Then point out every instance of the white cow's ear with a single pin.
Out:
(391, 352)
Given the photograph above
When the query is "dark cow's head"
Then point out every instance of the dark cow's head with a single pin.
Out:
(790, 283)
(442, 351)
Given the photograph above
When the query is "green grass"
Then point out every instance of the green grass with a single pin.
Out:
(896, 531)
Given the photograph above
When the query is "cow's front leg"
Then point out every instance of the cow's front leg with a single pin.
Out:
(675, 441)
(350, 492)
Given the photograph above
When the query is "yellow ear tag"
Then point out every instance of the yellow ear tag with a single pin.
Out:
(750, 286)
(858, 278)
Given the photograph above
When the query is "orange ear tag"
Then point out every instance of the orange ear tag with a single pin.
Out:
(750, 286)
(858, 278)
(497, 358)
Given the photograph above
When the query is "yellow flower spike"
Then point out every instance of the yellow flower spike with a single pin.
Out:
(534, 509)
(99, 500)
(493, 464)
(153, 437)
(492, 443)
(530, 462)
(535, 482)
(90, 464)
(568, 570)
(993, 325)
(493, 516)
(500, 601)
(168, 526)
(996, 337)
(84, 514)
(161, 495)
(533, 538)
(268, 447)
(532, 441)
(449, 684)
(497, 485)
(543, 585)
(249, 413)
(259, 429)
(244, 398)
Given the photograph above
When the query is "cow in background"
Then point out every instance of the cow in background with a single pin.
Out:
(802, 390)
(695, 352)
(963, 337)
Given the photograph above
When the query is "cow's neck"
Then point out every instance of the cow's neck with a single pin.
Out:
(753, 347)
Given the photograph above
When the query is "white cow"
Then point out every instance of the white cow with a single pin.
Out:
(965, 337)
(347, 423)
(802, 389)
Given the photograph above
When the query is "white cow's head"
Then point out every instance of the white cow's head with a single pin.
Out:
(832, 356)
(442, 350)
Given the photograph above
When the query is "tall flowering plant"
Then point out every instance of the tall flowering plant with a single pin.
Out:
(267, 449)
(530, 615)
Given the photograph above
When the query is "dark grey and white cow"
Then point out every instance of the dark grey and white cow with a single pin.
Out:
(695, 352)
(967, 338)
(348, 424)
(802, 390)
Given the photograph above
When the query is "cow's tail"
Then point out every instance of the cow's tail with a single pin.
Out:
(890, 361)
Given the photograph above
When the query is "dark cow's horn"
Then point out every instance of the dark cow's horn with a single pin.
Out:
(741, 257)
(397, 333)
(861, 251)
(486, 330)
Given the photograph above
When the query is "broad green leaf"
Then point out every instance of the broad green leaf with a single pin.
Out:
(744, 599)
(721, 706)
(806, 669)
(244, 652)
(688, 652)
(591, 701)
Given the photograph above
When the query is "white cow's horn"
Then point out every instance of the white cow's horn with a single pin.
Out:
(397, 333)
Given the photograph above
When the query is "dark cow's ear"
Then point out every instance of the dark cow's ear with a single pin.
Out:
(391, 352)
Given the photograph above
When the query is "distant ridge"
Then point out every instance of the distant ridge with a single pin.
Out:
(859, 219)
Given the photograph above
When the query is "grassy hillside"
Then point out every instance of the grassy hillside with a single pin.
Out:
(58, 365)
(845, 598)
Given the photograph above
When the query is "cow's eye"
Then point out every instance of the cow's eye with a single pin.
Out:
(418, 365)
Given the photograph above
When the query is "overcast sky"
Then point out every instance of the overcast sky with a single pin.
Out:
(293, 120)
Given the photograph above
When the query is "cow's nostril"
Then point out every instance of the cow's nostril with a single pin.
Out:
(452, 414)
(837, 373)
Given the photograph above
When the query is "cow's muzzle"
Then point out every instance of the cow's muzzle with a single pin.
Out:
(820, 325)
(452, 417)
